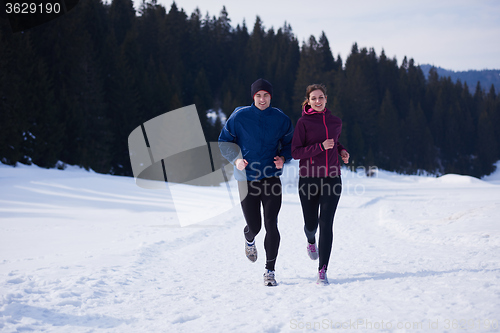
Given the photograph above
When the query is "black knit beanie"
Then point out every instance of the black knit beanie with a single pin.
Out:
(259, 85)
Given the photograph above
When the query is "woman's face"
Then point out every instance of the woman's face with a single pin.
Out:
(317, 100)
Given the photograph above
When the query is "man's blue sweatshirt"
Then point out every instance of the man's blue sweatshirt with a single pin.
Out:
(261, 135)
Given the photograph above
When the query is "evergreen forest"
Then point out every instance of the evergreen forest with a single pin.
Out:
(73, 89)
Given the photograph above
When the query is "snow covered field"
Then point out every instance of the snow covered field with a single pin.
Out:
(84, 252)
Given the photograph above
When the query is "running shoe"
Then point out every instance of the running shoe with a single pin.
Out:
(312, 251)
(322, 279)
(251, 251)
(269, 279)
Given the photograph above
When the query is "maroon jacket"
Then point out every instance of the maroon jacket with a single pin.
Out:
(310, 132)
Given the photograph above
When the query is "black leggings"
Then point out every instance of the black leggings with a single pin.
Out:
(267, 192)
(320, 194)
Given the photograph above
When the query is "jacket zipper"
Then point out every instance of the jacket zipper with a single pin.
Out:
(326, 150)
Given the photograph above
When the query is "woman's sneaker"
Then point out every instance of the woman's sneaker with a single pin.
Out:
(251, 251)
(322, 279)
(269, 279)
(312, 251)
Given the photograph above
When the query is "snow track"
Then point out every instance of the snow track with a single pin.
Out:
(82, 252)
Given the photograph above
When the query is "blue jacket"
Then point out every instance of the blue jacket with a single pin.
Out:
(260, 135)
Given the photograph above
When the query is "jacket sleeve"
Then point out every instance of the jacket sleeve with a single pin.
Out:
(286, 141)
(227, 142)
(340, 147)
(299, 149)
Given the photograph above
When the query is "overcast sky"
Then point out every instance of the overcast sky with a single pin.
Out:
(453, 34)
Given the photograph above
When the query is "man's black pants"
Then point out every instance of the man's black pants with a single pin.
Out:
(266, 192)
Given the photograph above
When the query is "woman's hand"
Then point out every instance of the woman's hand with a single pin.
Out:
(328, 144)
(345, 156)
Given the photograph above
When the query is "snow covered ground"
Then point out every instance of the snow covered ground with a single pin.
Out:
(84, 252)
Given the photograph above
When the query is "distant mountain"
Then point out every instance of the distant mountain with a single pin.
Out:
(487, 77)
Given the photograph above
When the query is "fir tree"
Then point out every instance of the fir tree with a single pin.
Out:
(122, 18)
(389, 135)
(13, 121)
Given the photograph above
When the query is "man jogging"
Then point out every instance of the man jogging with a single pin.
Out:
(264, 135)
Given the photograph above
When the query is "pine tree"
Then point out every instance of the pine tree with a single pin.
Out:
(487, 142)
(493, 109)
(309, 70)
(149, 29)
(202, 99)
(44, 136)
(487, 146)
(439, 117)
(122, 18)
(418, 144)
(468, 125)
(40, 125)
(123, 102)
(403, 90)
(416, 82)
(88, 135)
(389, 135)
(431, 93)
(328, 61)
(175, 53)
(282, 66)
(254, 55)
(388, 77)
(361, 98)
(13, 120)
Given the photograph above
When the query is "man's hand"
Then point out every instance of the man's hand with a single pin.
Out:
(241, 164)
(279, 161)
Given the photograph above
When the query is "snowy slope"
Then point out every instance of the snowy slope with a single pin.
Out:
(84, 252)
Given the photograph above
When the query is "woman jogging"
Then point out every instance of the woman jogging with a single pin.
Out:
(315, 144)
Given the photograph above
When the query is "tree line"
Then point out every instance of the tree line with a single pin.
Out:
(73, 89)
(487, 77)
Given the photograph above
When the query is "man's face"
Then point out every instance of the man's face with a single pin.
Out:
(262, 99)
